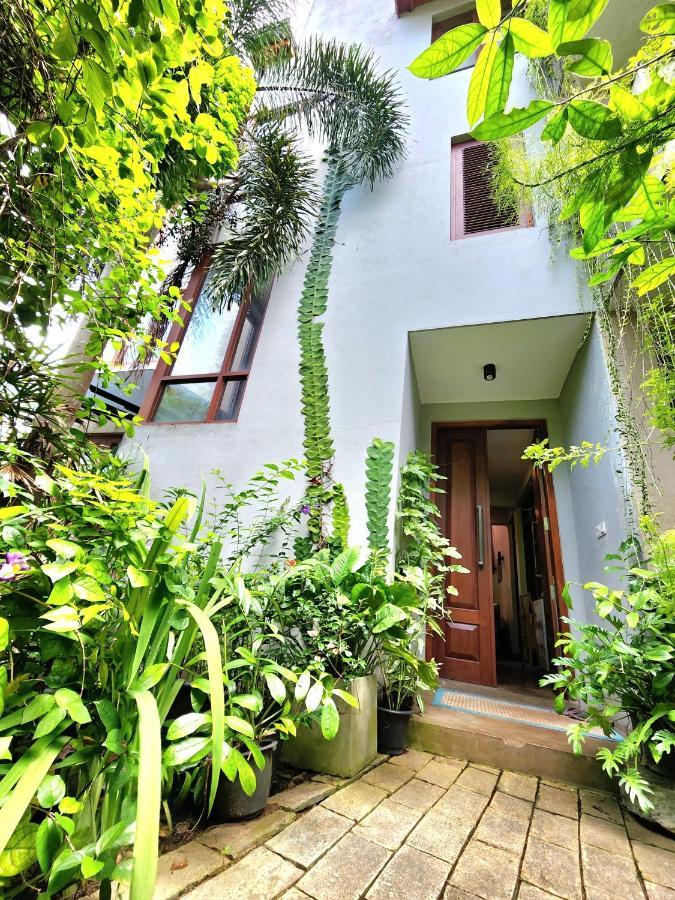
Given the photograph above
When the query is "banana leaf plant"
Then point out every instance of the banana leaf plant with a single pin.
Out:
(103, 601)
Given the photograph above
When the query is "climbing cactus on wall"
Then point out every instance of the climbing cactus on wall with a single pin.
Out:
(318, 442)
(379, 469)
(340, 536)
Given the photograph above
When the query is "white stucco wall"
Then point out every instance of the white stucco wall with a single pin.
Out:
(395, 270)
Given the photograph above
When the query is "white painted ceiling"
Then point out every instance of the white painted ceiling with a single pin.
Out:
(532, 357)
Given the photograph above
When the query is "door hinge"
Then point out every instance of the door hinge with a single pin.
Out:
(554, 593)
(547, 527)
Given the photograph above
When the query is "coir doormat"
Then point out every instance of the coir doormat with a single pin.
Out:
(480, 705)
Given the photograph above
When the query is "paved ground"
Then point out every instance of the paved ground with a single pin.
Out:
(420, 827)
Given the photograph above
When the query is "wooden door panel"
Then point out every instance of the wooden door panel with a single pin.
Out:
(466, 652)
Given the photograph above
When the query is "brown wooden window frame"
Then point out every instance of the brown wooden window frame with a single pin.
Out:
(457, 215)
(163, 377)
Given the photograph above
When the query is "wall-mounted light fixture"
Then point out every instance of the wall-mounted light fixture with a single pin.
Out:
(489, 371)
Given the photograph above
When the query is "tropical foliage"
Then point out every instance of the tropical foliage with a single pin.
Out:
(622, 670)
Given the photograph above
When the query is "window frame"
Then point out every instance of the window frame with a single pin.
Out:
(163, 376)
(457, 232)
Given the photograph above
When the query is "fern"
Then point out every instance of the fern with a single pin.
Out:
(379, 468)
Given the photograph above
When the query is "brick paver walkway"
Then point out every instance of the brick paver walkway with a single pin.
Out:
(419, 827)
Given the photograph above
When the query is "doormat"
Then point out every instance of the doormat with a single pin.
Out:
(479, 705)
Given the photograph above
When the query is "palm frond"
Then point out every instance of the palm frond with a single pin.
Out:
(269, 226)
(261, 31)
(335, 91)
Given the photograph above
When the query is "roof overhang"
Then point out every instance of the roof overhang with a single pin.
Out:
(406, 6)
(532, 356)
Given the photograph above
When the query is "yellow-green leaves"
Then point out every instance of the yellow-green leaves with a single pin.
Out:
(489, 12)
(148, 800)
(500, 77)
(529, 39)
(501, 125)
(449, 51)
(97, 83)
(595, 57)
(569, 20)
(593, 120)
(660, 19)
(480, 82)
(655, 275)
(555, 127)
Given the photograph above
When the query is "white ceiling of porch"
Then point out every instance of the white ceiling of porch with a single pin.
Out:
(532, 356)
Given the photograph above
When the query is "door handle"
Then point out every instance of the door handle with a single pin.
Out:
(480, 535)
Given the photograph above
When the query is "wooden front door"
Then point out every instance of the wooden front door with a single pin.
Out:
(467, 650)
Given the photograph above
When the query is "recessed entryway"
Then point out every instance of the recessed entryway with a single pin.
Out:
(500, 513)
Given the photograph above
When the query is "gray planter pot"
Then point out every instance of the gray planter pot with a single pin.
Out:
(661, 779)
(354, 746)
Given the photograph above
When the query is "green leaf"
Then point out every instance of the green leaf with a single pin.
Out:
(567, 596)
(90, 867)
(149, 678)
(449, 51)
(51, 791)
(655, 275)
(303, 685)
(49, 722)
(187, 724)
(58, 139)
(11, 512)
(569, 20)
(19, 853)
(48, 842)
(660, 19)
(276, 687)
(627, 104)
(56, 570)
(97, 83)
(529, 39)
(330, 720)
(596, 56)
(65, 45)
(314, 696)
(146, 843)
(66, 549)
(246, 774)
(189, 750)
(87, 588)
(4, 634)
(241, 726)
(500, 77)
(72, 703)
(593, 120)
(387, 616)
(555, 127)
(137, 579)
(489, 12)
(480, 81)
(502, 125)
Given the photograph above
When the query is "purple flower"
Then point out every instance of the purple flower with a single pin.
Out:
(14, 558)
(305, 510)
(14, 563)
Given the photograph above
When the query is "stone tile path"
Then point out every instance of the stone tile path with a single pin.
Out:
(419, 827)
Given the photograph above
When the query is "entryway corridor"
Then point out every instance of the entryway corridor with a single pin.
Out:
(424, 827)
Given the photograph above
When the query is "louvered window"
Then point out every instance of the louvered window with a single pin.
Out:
(474, 210)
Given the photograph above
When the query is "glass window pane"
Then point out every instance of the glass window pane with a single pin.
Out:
(232, 396)
(249, 332)
(184, 402)
(208, 334)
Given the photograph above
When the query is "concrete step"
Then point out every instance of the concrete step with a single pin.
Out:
(506, 744)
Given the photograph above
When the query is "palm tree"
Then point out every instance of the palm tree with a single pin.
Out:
(329, 91)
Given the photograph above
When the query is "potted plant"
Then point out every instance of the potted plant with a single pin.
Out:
(622, 673)
(404, 677)
(265, 701)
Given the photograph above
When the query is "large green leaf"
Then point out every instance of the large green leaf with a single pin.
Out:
(449, 51)
(593, 120)
(33, 767)
(20, 852)
(146, 843)
(529, 39)
(660, 19)
(596, 56)
(555, 127)
(480, 81)
(655, 275)
(569, 20)
(500, 77)
(489, 12)
(502, 125)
